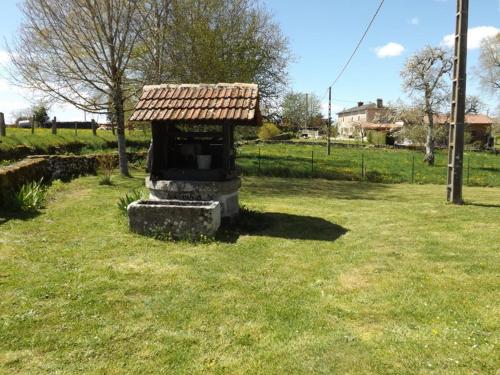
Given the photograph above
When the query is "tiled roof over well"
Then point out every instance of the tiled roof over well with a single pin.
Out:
(200, 102)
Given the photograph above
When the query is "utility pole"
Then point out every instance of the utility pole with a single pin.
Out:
(456, 134)
(329, 119)
(307, 111)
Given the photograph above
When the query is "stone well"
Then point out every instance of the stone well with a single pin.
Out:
(179, 218)
(224, 192)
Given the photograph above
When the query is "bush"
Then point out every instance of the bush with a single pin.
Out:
(30, 198)
(128, 198)
(376, 137)
(268, 131)
(284, 137)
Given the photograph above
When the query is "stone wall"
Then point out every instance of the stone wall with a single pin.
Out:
(54, 167)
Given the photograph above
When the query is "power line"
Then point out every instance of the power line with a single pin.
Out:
(358, 45)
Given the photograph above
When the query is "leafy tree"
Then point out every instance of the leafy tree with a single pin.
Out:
(424, 76)
(40, 115)
(78, 52)
(213, 41)
(297, 112)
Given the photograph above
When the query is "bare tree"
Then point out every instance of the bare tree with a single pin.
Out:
(298, 112)
(78, 52)
(489, 64)
(473, 105)
(424, 75)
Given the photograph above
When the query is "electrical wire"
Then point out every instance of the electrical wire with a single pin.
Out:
(356, 48)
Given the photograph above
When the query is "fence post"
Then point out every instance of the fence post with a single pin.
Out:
(259, 161)
(413, 169)
(76, 129)
(32, 124)
(312, 163)
(54, 125)
(362, 166)
(94, 127)
(2, 125)
(468, 169)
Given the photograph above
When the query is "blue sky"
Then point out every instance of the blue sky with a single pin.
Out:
(322, 35)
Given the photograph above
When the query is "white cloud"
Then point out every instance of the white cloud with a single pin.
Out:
(389, 50)
(414, 21)
(474, 36)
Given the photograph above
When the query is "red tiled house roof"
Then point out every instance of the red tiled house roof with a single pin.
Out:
(235, 102)
(471, 119)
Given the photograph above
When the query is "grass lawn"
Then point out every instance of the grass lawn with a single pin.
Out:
(381, 164)
(341, 277)
(43, 139)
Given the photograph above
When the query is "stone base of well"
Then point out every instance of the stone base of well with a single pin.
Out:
(180, 219)
(224, 192)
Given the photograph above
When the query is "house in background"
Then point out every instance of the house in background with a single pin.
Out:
(351, 118)
(479, 125)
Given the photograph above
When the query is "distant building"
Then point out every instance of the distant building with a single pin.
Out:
(351, 118)
(479, 125)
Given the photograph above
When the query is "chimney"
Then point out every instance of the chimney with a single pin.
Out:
(380, 103)
(360, 104)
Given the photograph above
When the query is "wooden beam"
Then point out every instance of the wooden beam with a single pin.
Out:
(199, 134)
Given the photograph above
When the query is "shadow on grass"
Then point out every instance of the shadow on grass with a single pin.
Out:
(280, 225)
(6, 216)
(308, 188)
(482, 205)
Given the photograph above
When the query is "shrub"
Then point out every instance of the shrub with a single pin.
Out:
(128, 198)
(30, 198)
(268, 131)
(376, 137)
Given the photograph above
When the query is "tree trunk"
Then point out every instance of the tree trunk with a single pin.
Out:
(429, 143)
(120, 129)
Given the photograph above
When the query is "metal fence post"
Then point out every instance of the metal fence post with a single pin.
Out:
(413, 169)
(468, 169)
(76, 129)
(259, 160)
(362, 165)
(32, 124)
(312, 162)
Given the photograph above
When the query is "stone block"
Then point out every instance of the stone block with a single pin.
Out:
(178, 218)
(224, 192)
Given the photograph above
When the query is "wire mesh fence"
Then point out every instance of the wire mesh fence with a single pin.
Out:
(364, 164)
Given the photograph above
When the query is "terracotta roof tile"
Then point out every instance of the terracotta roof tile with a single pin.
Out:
(237, 101)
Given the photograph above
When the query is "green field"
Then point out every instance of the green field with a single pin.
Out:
(379, 164)
(337, 276)
(43, 140)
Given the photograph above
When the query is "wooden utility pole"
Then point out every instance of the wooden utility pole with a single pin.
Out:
(2, 125)
(456, 134)
(329, 119)
(307, 111)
